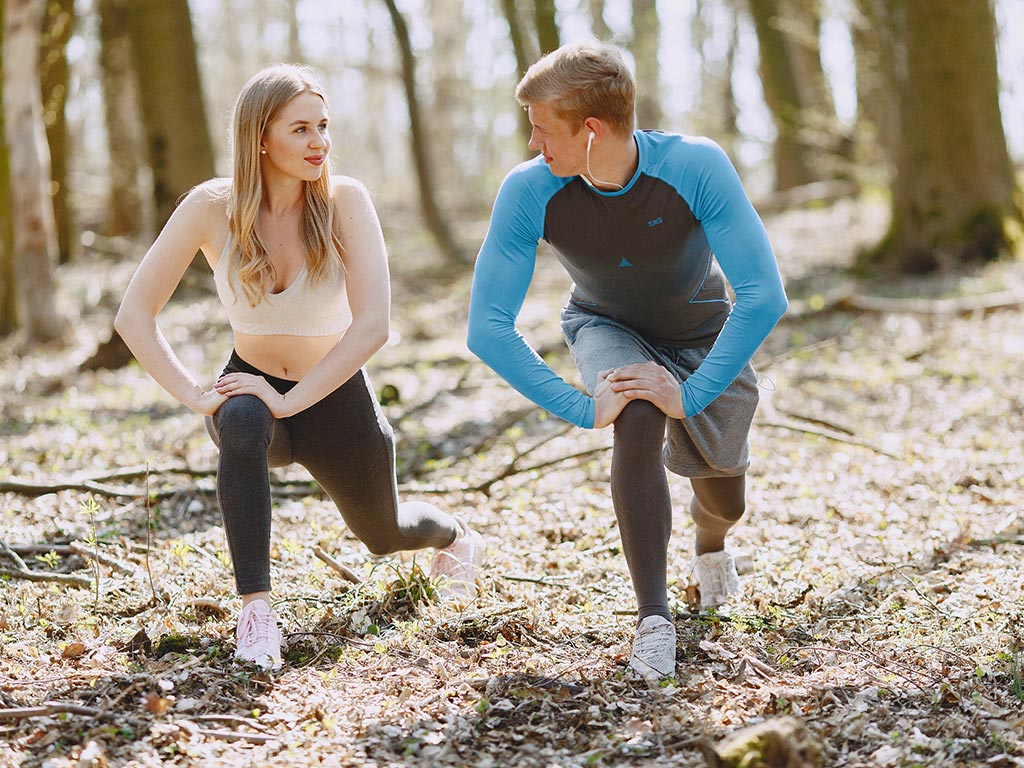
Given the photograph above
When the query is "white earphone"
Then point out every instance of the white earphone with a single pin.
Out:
(590, 140)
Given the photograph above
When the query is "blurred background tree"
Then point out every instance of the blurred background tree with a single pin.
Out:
(813, 99)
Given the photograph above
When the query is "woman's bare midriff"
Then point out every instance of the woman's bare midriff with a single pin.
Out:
(282, 356)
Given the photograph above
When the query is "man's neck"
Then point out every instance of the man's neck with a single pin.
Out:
(612, 168)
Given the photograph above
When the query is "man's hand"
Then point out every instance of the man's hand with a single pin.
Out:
(608, 404)
(234, 384)
(650, 382)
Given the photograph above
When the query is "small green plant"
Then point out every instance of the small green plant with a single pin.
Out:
(90, 506)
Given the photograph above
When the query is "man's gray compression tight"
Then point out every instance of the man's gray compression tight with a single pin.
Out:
(644, 510)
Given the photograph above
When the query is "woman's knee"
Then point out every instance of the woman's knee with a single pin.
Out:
(721, 497)
(244, 420)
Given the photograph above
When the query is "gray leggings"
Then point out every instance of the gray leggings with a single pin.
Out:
(643, 507)
(348, 447)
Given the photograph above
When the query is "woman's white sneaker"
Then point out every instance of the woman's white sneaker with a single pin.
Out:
(654, 649)
(258, 636)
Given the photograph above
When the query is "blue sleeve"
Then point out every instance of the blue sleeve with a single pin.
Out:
(740, 244)
(504, 269)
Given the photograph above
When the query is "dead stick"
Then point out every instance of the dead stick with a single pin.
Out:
(255, 738)
(345, 572)
(80, 549)
(828, 433)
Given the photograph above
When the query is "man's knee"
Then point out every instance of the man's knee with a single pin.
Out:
(640, 423)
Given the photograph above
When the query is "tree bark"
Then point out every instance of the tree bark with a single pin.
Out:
(601, 29)
(524, 57)
(8, 288)
(781, 95)
(447, 115)
(644, 46)
(58, 23)
(547, 27)
(953, 193)
(127, 211)
(35, 240)
(432, 215)
(875, 50)
(178, 142)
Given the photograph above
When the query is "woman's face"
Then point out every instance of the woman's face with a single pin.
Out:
(296, 142)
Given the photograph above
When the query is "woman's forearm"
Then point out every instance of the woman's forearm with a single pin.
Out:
(147, 343)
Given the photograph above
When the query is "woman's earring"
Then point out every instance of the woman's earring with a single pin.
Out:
(263, 151)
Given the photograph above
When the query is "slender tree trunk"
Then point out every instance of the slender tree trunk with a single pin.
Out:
(58, 23)
(782, 95)
(644, 47)
(601, 29)
(164, 50)
(432, 215)
(953, 194)
(35, 240)
(8, 287)
(294, 44)
(877, 60)
(128, 213)
(547, 27)
(525, 56)
(446, 116)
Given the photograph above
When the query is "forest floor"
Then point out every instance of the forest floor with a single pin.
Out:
(882, 603)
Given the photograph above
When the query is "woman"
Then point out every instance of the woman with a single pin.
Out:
(300, 264)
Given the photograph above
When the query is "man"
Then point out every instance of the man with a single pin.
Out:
(635, 217)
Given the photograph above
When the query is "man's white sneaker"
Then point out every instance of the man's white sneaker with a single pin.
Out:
(654, 649)
(457, 565)
(259, 639)
(717, 578)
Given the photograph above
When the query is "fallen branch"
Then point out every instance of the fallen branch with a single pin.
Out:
(48, 708)
(846, 299)
(81, 550)
(823, 432)
(255, 738)
(346, 573)
(529, 580)
(22, 571)
(233, 719)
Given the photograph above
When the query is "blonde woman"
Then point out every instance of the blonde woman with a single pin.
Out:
(300, 265)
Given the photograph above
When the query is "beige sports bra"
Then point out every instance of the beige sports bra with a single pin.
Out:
(301, 309)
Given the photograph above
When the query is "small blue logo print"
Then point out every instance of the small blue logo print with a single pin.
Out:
(624, 263)
(654, 222)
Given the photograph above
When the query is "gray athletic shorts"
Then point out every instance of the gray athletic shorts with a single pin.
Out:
(711, 444)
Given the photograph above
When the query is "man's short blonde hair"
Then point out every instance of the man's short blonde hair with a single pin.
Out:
(582, 80)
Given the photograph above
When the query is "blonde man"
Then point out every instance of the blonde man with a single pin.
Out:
(649, 227)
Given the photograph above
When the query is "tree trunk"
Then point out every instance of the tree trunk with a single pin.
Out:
(432, 215)
(179, 148)
(547, 26)
(447, 115)
(35, 240)
(875, 59)
(8, 288)
(294, 44)
(58, 22)
(524, 57)
(953, 194)
(644, 47)
(781, 95)
(128, 212)
(601, 29)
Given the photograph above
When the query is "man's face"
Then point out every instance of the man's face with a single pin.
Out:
(564, 149)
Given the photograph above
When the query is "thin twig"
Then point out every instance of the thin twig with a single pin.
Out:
(830, 434)
(233, 719)
(527, 579)
(255, 738)
(346, 573)
(79, 548)
(864, 657)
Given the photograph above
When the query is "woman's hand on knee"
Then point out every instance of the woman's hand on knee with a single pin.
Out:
(209, 402)
(234, 384)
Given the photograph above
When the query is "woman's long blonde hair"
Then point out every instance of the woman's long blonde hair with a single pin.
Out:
(259, 102)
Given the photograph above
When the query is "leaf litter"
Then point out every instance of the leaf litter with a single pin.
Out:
(881, 611)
